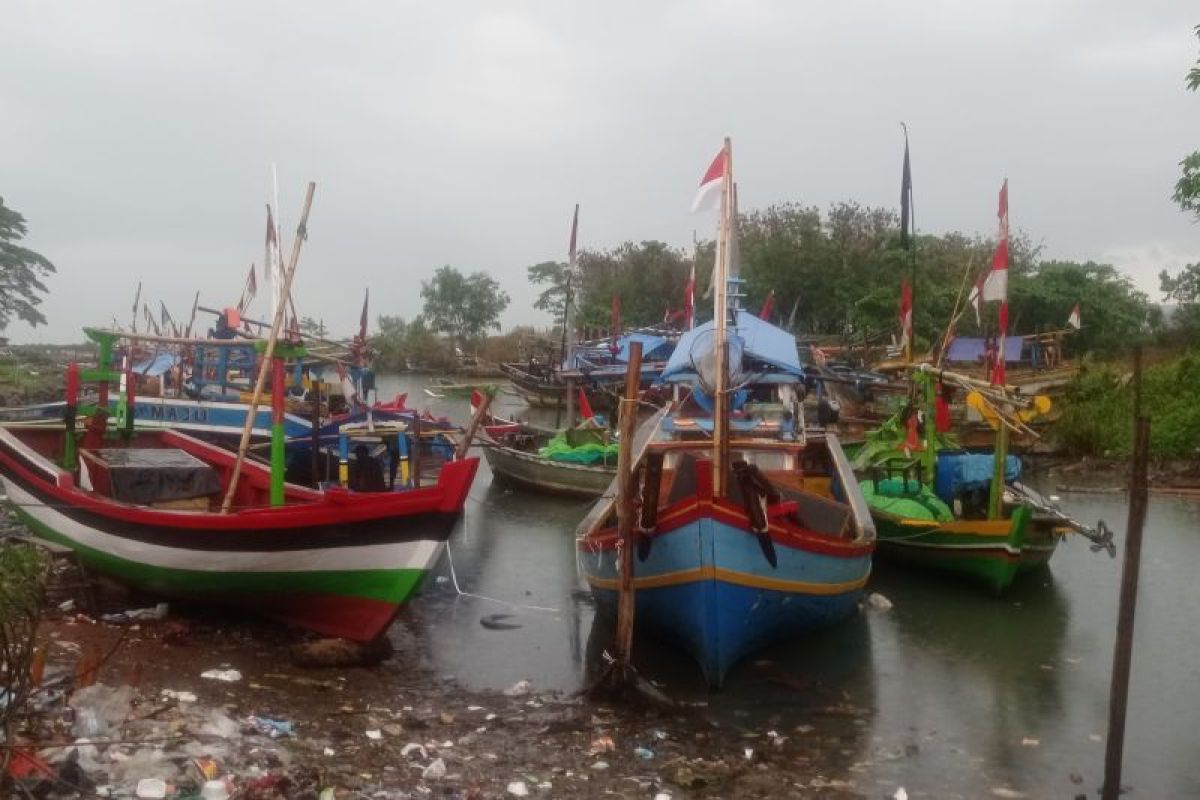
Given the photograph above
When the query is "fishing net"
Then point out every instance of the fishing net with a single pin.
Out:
(905, 498)
(588, 453)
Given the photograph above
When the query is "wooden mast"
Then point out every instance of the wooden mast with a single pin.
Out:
(268, 353)
(721, 331)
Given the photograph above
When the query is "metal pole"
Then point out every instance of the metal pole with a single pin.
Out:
(1123, 649)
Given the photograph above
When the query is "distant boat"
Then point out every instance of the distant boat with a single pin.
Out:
(516, 459)
(444, 387)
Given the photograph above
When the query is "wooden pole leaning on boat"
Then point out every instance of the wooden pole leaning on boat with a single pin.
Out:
(476, 421)
(268, 353)
(626, 513)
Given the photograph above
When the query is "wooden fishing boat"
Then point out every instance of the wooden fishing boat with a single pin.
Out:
(516, 459)
(494, 426)
(444, 387)
(932, 501)
(747, 533)
(173, 515)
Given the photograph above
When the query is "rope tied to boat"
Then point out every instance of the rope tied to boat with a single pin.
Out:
(461, 593)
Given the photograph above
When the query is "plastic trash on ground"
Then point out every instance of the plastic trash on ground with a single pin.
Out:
(226, 675)
(99, 709)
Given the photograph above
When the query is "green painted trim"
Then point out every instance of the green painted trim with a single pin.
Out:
(278, 462)
(387, 585)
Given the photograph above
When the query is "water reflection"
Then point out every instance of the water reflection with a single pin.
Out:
(937, 695)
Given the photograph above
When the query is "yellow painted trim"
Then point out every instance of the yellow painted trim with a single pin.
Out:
(981, 527)
(736, 578)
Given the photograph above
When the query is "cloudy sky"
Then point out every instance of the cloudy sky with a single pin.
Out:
(137, 137)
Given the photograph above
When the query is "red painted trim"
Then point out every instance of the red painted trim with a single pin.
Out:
(692, 509)
(337, 506)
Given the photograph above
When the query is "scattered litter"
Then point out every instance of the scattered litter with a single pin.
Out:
(226, 675)
(99, 709)
(475, 708)
(1095, 737)
(880, 603)
(329, 751)
(158, 612)
(1030, 742)
(603, 744)
(519, 689)
(518, 789)
(1010, 794)
(412, 747)
(775, 738)
(219, 724)
(901, 793)
(271, 727)
(375, 734)
(748, 753)
(600, 766)
(643, 753)
(66, 605)
(179, 697)
(151, 788)
(214, 790)
(662, 796)
(436, 769)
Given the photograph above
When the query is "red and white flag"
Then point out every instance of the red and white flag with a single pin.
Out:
(767, 307)
(906, 310)
(585, 408)
(995, 287)
(712, 183)
(1073, 320)
(574, 236)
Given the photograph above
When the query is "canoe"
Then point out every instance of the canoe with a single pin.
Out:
(334, 561)
(530, 471)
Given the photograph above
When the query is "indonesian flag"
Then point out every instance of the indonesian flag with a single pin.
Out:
(995, 287)
(711, 184)
(585, 408)
(362, 320)
(1073, 320)
(687, 314)
(767, 307)
(906, 315)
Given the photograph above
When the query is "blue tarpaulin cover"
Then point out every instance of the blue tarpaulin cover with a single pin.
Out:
(761, 340)
(962, 472)
(968, 348)
(156, 366)
(650, 346)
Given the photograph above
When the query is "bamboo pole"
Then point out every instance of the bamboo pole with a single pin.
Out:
(187, 333)
(269, 353)
(625, 512)
(476, 420)
(1114, 751)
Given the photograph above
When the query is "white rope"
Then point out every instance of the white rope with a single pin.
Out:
(461, 593)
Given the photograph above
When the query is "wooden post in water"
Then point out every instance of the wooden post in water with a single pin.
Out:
(269, 353)
(476, 420)
(315, 434)
(1123, 649)
(625, 512)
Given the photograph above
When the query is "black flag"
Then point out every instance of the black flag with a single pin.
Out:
(905, 197)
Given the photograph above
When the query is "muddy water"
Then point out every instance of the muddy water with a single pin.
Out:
(951, 693)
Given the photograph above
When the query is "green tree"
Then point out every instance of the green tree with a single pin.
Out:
(464, 307)
(648, 278)
(1187, 190)
(313, 327)
(1114, 313)
(390, 343)
(1183, 290)
(554, 276)
(21, 272)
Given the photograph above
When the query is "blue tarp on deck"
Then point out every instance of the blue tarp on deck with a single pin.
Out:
(760, 340)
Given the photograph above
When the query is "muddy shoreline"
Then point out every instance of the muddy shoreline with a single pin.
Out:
(380, 731)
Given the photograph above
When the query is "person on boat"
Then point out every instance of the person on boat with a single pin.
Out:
(367, 474)
(941, 413)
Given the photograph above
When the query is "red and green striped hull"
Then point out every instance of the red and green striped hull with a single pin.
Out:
(993, 552)
(334, 562)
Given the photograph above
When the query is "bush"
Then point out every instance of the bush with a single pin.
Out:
(22, 585)
(1097, 410)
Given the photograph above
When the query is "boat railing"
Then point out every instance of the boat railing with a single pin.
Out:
(864, 527)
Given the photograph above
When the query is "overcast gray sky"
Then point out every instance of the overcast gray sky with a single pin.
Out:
(136, 137)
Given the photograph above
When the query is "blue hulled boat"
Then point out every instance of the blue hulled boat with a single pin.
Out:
(749, 531)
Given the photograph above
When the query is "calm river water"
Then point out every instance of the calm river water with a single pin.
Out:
(952, 692)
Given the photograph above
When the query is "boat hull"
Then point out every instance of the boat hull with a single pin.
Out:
(992, 552)
(532, 472)
(342, 565)
(706, 582)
